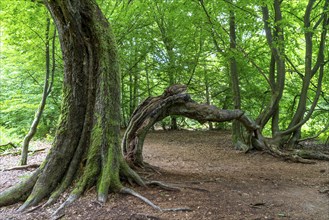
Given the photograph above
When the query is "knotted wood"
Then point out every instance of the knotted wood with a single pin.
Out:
(174, 101)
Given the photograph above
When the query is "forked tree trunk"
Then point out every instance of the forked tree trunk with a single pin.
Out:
(235, 84)
(87, 138)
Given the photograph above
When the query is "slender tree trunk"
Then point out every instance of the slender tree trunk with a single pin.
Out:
(148, 86)
(169, 45)
(124, 110)
(46, 90)
(309, 71)
(206, 80)
(236, 126)
(136, 89)
(275, 41)
(131, 94)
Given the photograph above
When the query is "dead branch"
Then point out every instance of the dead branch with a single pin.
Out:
(19, 152)
(10, 143)
(23, 167)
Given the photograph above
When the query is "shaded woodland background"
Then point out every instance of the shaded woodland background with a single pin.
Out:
(268, 58)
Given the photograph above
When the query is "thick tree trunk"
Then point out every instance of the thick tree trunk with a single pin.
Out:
(87, 137)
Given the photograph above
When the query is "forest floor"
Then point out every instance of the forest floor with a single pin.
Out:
(216, 181)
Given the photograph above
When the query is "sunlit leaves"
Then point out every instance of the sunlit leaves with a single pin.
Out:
(145, 30)
(23, 27)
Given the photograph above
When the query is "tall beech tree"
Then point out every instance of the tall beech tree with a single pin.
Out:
(314, 24)
(86, 147)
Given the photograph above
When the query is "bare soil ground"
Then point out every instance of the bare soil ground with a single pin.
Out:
(217, 182)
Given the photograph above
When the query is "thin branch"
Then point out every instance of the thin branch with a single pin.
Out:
(315, 136)
(242, 9)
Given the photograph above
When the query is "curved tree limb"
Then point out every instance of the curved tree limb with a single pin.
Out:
(154, 109)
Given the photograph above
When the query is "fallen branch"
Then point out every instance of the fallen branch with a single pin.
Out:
(23, 167)
(10, 143)
(19, 152)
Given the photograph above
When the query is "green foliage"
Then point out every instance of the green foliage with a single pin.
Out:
(22, 62)
(8, 136)
(165, 42)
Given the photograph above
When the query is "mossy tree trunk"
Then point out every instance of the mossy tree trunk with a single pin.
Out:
(174, 102)
(86, 147)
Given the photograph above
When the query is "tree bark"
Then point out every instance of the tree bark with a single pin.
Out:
(275, 41)
(87, 138)
(310, 71)
(235, 86)
(172, 102)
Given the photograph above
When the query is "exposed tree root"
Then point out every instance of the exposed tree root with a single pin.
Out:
(175, 187)
(163, 185)
(287, 156)
(141, 216)
(125, 190)
(60, 210)
(77, 192)
(307, 154)
(57, 216)
(20, 191)
(147, 166)
(33, 209)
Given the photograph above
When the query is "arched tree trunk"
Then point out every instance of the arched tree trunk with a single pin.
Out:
(174, 102)
(87, 138)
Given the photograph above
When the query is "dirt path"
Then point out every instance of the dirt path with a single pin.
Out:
(217, 183)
